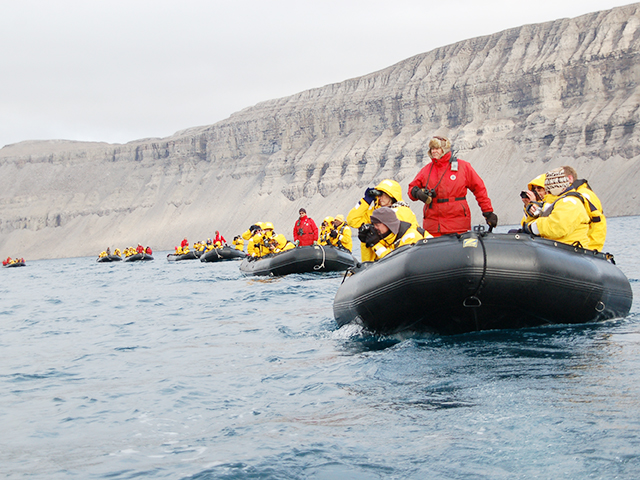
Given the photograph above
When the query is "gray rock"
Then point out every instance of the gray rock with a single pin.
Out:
(515, 104)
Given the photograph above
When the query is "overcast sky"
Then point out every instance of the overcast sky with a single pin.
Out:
(118, 71)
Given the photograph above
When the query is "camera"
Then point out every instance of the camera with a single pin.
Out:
(524, 194)
(368, 234)
(374, 192)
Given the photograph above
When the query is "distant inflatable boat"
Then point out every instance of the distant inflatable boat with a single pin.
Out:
(138, 257)
(109, 258)
(222, 254)
(480, 281)
(316, 258)
(191, 255)
(15, 264)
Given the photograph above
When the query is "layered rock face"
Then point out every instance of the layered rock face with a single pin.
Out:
(515, 104)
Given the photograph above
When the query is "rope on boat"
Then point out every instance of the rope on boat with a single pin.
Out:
(473, 301)
(324, 256)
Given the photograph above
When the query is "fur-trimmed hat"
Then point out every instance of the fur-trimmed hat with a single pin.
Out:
(387, 216)
(440, 142)
(556, 181)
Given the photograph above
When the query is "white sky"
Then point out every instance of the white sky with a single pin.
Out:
(116, 71)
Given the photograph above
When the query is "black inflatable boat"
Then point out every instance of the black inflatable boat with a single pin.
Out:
(110, 258)
(222, 254)
(138, 257)
(316, 258)
(14, 264)
(479, 281)
(190, 255)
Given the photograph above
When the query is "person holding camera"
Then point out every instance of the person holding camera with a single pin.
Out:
(442, 185)
(305, 231)
(388, 193)
(386, 232)
(340, 234)
(574, 215)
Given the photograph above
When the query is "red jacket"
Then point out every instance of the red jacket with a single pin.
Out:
(219, 238)
(306, 231)
(449, 210)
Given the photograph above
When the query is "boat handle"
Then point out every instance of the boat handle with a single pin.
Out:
(472, 302)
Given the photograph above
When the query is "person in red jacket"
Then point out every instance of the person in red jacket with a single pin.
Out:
(148, 251)
(442, 185)
(219, 239)
(139, 249)
(305, 231)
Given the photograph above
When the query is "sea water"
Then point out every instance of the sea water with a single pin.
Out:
(191, 370)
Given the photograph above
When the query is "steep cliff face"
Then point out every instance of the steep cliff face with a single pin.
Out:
(515, 104)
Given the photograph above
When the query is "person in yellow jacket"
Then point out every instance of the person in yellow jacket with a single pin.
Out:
(391, 232)
(275, 242)
(117, 252)
(535, 197)
(256, 241)
(598, 222)
(567, 220)
(325, 230)
(340, 235)
(387, 193)
(238, 243)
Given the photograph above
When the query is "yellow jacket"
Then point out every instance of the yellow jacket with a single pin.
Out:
(598, 224)
(407, 235)
(566, 221)
(239, 243)
(325, 229)
(343, 239)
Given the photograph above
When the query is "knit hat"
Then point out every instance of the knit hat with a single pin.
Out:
(556, 181)
(340, 218)
(440, 142)
(387, 216)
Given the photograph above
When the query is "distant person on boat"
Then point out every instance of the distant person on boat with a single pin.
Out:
(325, 229)
(184, 243)
(238, 243)
(108, 252)
(575, 217)
(219, 240)
(340, 234)
(442, 185)
(139, 249)
(386, 232)
(255, 240)
(273, 242)
(387, 193)
(305, 231)
(117, 252)
(251, 230)
(103, 254)
(148, 250)
(7, 261)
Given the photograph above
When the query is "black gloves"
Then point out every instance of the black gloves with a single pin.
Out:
(333, 234)
(370, 194)
(492, 219)
(419, 193)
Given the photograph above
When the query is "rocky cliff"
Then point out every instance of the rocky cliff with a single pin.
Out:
(515, 104)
